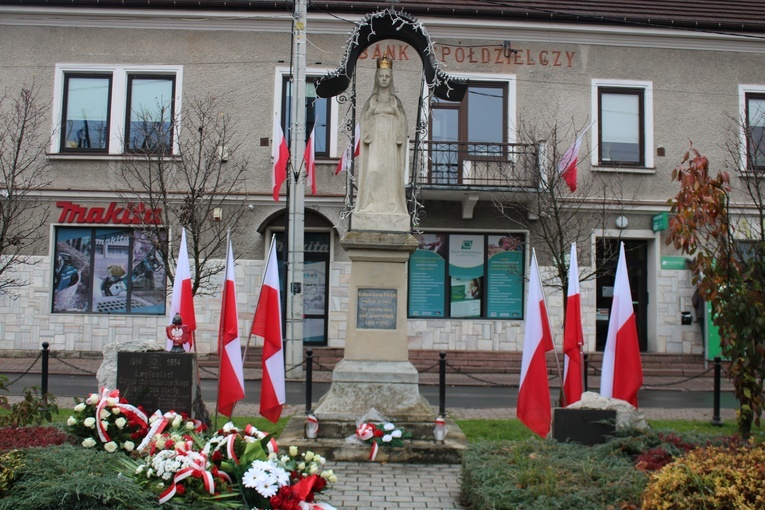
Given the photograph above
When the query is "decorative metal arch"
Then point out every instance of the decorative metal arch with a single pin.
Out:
(391, 24)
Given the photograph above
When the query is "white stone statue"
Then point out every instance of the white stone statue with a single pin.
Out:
(383, 148)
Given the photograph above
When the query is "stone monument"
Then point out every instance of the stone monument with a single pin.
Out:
(376, 372)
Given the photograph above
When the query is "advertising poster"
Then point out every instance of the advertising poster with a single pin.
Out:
(504, 297)
(427, 276)
(466, 256)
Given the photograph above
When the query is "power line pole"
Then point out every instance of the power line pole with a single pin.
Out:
(296, 243)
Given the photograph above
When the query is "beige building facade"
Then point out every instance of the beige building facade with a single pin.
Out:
(645, 88)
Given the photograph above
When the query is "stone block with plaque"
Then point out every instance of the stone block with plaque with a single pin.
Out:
(157, 380)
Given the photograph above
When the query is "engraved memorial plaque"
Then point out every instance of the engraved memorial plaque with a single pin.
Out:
(157, 380)
(376, 308)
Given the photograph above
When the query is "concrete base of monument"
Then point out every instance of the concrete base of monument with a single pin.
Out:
(381, 222)
(336, 442)
(390, 387)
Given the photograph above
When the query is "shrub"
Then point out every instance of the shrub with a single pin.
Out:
(71, 477)
(9, 463)
(547, 474)
(34, 408)
(26, 437)
(714, 478)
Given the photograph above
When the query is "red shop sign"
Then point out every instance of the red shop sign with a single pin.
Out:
(131, 214)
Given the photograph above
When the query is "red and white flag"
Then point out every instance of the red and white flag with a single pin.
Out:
(309, 156)
(534, 408)
(280, 156)
(345, 160)
(267, 323)
(573, 339)
(622, 374)
(182, 299)
(231, 372)
(569, 160)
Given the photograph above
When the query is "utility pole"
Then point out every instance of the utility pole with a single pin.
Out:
(296, 243)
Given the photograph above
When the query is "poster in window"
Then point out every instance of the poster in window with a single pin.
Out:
(71, 270)
(147, 277)
(314, 287)
(427, 276)
(466, 269)
(110, 270)
(504, 297)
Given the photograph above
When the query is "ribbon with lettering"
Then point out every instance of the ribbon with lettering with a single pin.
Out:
(112, 399)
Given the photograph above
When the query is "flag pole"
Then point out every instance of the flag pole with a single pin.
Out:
(555, 350)
(265, 267)
(220, 328)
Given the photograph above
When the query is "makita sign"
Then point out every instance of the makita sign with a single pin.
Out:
(130, 214)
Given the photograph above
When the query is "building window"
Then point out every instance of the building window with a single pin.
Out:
(150, 114)
(105, 109)
(107, 270)
(317, 115)
(469, 137)
(621, 134)
(467, 276)
(85, 116)
(624, 111)
(755, 130)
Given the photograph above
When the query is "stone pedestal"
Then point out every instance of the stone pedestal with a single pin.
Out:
(376, 372)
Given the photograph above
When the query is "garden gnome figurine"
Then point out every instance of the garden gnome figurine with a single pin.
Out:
(179, 334)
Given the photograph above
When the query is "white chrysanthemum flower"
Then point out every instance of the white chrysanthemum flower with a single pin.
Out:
(90, 422)
(140, 469)
(293, 451)
(72, 421)
(149, 473)
(387, 438)
(272, 455)
(110, 447)
(79, 407)
(388, 427)
(249, 477)
(285, 459)
(282, 477)
(120, 422)
(128, 446)
(89, 442)
(229, 427)
(396, 434)
(266, 486)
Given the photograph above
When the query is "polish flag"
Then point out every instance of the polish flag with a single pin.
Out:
(567, 163)
(573, 339)
(345, 161)
(534, 408)
(182, 299)
(267, 323)
(309, 156)
(280, 156)
(622, 373)
(231, 372)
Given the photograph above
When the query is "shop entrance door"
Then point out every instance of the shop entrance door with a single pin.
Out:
(607, 256)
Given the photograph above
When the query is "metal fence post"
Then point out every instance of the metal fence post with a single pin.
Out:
(44, 375)
(716, 400)
(308, 380)
(585, 370)
(442, 384)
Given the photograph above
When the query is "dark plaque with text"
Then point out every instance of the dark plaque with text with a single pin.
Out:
(376, 309)
(157, 380)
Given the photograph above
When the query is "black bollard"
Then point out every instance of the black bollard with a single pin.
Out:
(44, 375)
(308, 380)
(442, 384)
(585, 371)
(716, 400)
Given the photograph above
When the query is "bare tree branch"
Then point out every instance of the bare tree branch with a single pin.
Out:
(23, 170)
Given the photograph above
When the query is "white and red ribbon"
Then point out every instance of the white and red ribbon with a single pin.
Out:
(156, 428)
(128, 410)
(312, 426)
(365, 431)
(197, 469)
(373, 452)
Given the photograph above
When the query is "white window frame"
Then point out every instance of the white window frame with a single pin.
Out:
(117, 116)
(310, 72)
(647, 88)
(743, 90)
